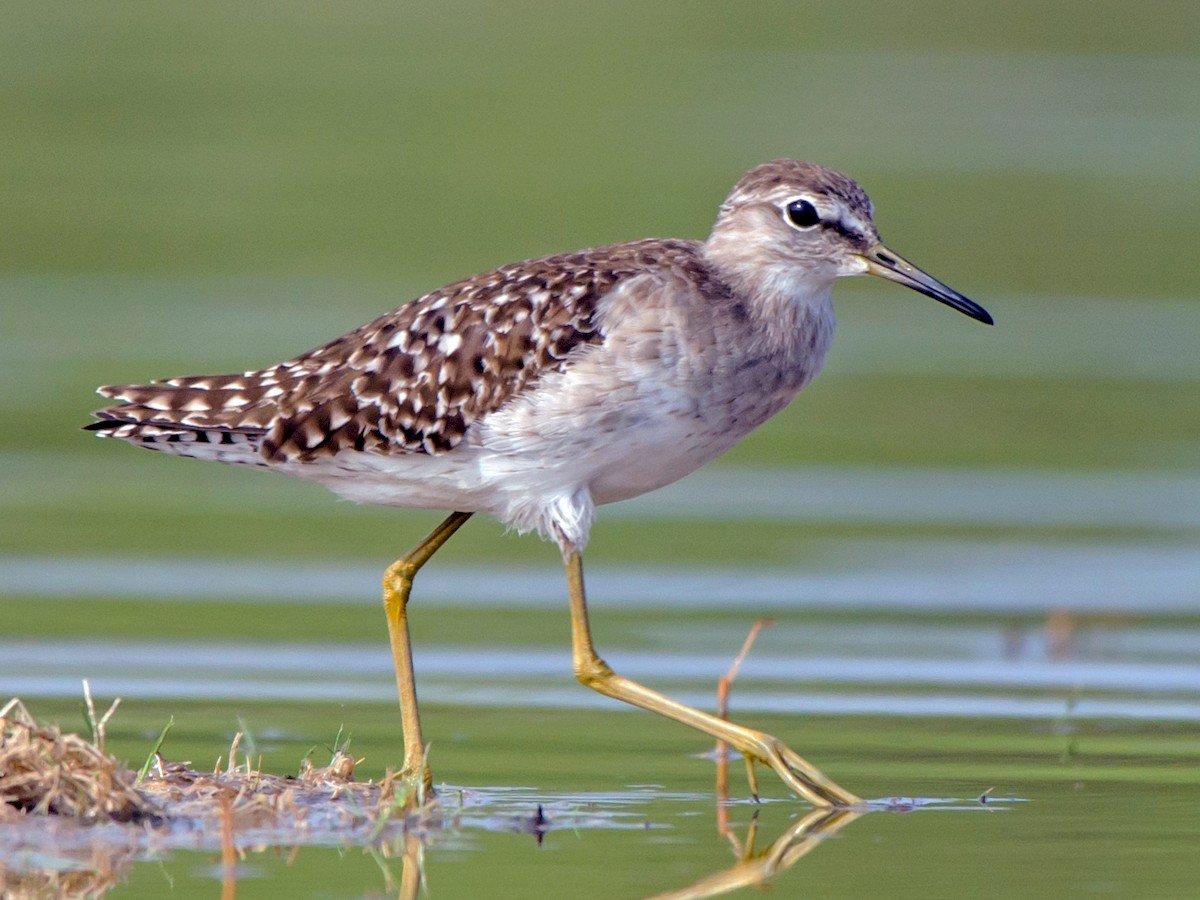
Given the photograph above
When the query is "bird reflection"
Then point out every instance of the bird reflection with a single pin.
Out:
(752, 868)
(411, 848)
(755, 867)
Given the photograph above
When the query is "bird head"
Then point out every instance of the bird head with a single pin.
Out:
(791, 228)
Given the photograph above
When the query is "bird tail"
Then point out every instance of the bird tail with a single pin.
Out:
(208, 417)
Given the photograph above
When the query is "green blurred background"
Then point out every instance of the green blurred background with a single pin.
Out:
(215, 186)
(212, 187)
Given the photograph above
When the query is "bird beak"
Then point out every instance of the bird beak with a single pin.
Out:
(883, 262)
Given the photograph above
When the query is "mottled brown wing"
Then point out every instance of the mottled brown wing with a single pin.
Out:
(413, 380)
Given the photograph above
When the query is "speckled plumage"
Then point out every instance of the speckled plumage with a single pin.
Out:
(537, 390)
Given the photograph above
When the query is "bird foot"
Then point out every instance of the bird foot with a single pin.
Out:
(409, 789)
(800, 775)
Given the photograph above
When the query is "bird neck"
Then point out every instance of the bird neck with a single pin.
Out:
(790, 305)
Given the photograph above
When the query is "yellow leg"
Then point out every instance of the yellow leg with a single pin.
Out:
(797, 773)
(397, 584)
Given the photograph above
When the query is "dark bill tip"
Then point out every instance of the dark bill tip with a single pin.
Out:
(883, 263)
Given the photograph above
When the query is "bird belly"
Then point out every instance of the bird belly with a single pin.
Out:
(450, 481)
(596, 430)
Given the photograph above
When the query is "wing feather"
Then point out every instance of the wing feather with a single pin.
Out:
(413, 380)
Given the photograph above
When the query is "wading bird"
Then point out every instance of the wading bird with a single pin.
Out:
(540, 390)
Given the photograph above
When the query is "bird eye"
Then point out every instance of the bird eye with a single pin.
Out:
(802, 214)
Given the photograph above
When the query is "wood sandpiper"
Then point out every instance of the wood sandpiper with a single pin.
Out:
(539, 390)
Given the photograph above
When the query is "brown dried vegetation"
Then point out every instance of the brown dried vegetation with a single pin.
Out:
(43, 771)
(64, 794)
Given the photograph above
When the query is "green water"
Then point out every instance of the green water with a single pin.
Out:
(212, 187)
(631, 811)
(1079, 841)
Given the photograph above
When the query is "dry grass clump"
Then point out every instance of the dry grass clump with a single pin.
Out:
(68, 809)
(45, 771)
(243, 798)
